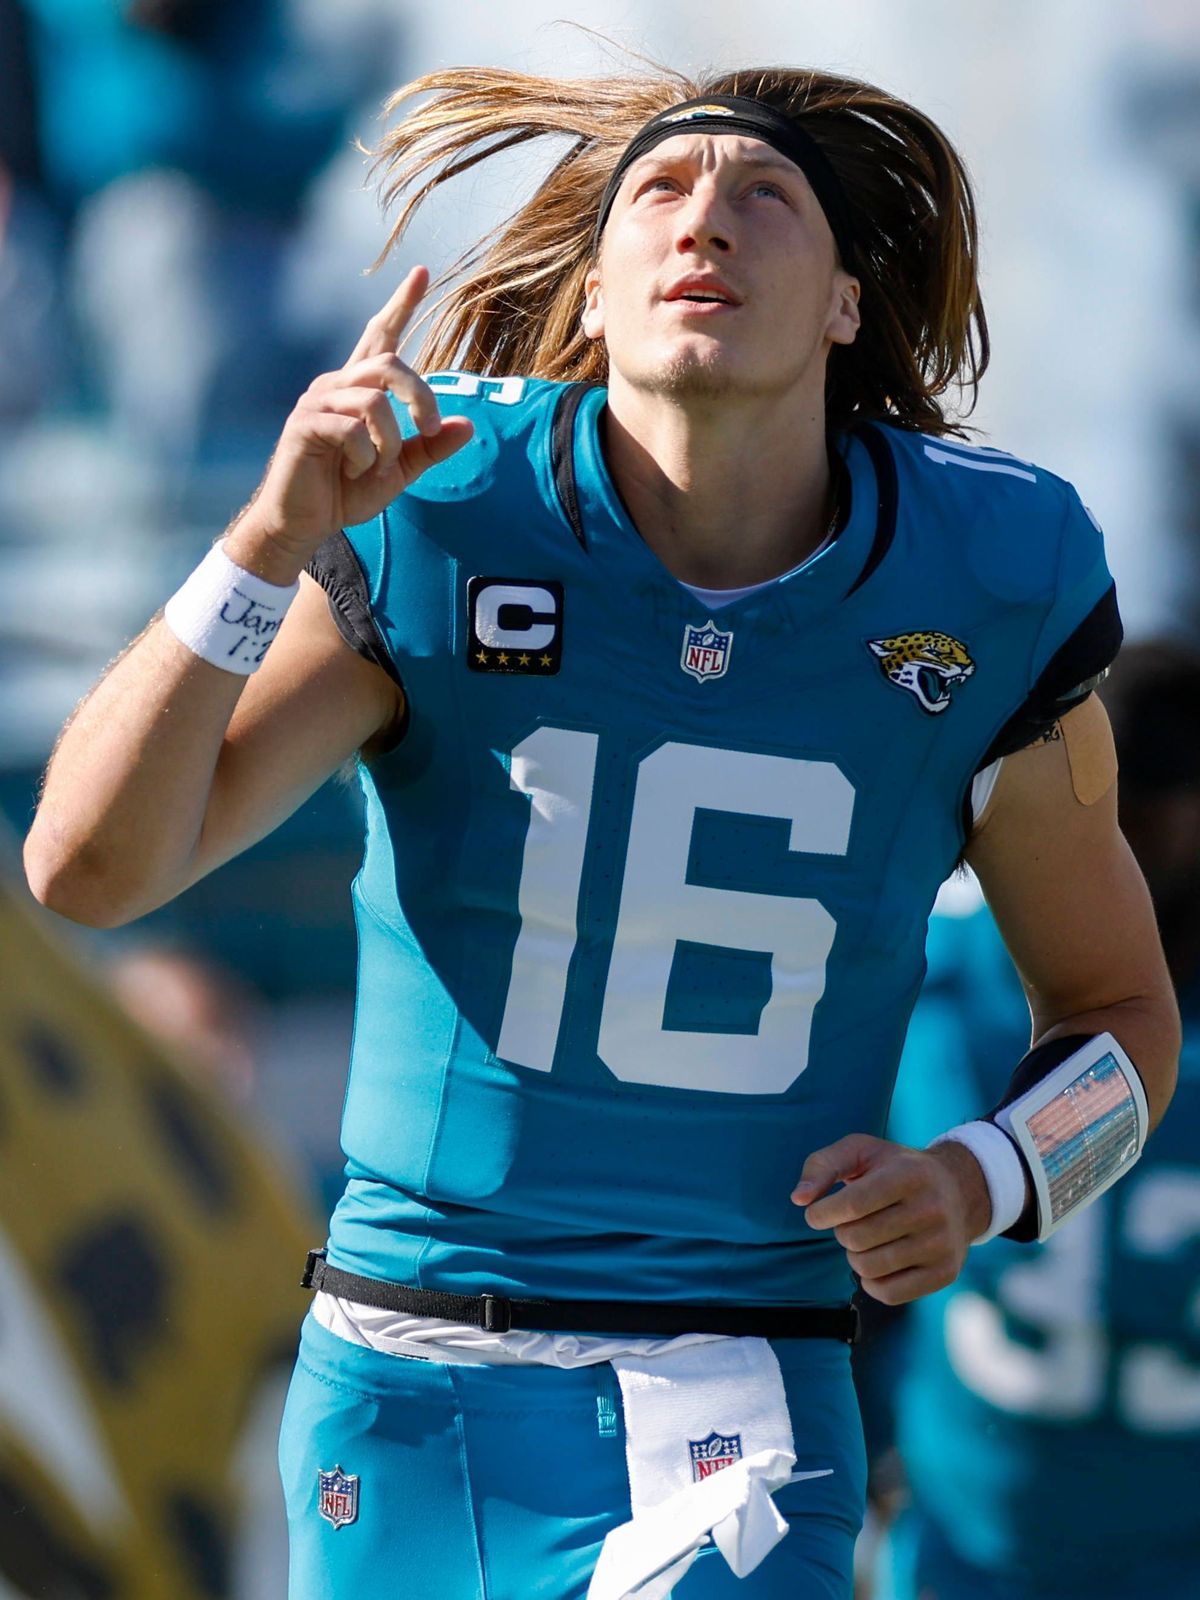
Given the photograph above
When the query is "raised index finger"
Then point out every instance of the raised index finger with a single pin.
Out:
(382, 334)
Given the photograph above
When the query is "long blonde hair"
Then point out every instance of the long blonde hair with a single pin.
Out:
(514, 302)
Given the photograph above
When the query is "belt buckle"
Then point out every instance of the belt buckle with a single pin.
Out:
(497, 1313)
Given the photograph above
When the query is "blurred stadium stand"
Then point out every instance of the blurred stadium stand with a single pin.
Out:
(155, 160)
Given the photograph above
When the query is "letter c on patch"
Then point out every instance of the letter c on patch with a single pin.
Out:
(535, 619)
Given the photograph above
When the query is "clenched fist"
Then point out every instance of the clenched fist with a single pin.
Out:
(904, 1217)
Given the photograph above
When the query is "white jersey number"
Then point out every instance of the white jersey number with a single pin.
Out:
(1061, 1292)
(500, 391)
(556, 768)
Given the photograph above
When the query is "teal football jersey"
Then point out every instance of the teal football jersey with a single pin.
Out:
(1049, 1411)
(643, 903)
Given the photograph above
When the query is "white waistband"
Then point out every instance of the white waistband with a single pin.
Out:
(434, 1339)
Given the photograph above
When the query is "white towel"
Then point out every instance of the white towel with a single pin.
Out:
(708, 1441)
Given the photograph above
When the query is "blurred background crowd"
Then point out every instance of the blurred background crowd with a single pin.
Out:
(185, 228)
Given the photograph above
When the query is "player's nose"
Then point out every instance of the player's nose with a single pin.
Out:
(704, 219)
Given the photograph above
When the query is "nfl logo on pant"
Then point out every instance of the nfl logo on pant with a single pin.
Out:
(709, 1455)
(705, 651)
(337, 1497)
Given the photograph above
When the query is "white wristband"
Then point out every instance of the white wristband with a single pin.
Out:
(226, 615)
(1003, 1170)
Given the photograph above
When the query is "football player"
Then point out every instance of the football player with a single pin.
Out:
(679, 636)
(1050, 1408)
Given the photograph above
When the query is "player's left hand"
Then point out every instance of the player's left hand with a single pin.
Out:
(904, 1217)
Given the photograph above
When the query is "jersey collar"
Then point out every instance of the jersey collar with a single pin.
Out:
(599, 519)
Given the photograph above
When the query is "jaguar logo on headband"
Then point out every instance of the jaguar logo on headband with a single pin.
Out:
(755, 120)
(700, 111)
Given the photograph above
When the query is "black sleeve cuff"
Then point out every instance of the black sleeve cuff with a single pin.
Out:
(1076, 668)
(336, 567)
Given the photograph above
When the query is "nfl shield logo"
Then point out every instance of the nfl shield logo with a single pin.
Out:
(705, 651)
(711, 1454)
(337, 1497)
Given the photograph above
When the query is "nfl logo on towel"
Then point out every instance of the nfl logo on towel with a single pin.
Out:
(705, 651)
(337, 1497)
(711, 1454)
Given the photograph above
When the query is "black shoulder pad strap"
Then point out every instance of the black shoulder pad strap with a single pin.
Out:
(336, 567)
(1070, 675)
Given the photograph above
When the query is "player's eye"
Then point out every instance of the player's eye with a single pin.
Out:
(763, 187)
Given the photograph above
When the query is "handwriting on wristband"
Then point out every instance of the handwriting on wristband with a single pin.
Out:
(261, 624)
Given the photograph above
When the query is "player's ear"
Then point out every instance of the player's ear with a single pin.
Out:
(846, 318)
(592, 319)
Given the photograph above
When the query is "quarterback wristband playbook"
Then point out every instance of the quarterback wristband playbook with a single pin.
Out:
(1077, 1118)
(226, 615)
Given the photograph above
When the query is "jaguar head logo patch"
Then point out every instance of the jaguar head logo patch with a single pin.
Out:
(927, 665)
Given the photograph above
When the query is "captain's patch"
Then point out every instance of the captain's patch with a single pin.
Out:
(927, 665)
(515, 625)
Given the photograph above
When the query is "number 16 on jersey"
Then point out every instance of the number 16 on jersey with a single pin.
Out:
(556, 768)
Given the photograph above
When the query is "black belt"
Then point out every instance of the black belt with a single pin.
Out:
(496, 1313)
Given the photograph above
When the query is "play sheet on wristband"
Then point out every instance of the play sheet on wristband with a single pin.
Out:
(1080, 1128)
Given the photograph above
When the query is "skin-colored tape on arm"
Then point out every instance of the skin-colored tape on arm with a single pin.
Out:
(1090, 751)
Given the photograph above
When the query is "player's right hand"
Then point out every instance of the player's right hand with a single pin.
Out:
(341, 457)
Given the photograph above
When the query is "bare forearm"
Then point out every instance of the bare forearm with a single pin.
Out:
(127, 788)
(1073, 907)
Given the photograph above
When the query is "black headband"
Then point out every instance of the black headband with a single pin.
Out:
(730, 113)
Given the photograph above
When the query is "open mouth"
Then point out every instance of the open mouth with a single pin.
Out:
(695, 305)
(702, 292)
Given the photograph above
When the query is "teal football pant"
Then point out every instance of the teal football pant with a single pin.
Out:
(500, 1483)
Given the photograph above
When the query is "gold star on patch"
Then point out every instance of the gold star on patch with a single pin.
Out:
(545, 660)
(502, 659)
(522, 661)
(481, 656)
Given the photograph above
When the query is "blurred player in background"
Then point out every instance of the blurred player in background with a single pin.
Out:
(1049, 1412)
(683, 660)
(203, 1013)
